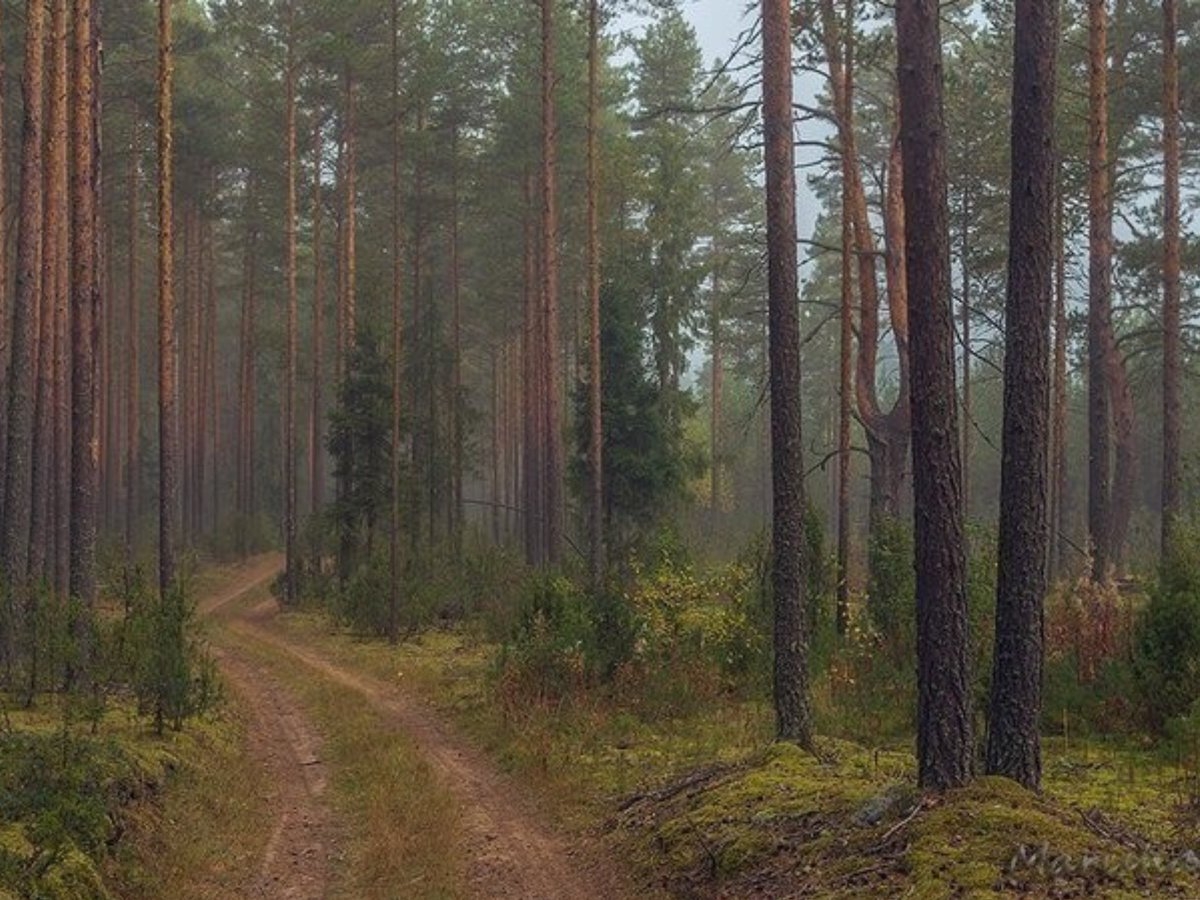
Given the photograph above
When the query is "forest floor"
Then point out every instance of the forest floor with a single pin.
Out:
(385, 772)
(371, 793)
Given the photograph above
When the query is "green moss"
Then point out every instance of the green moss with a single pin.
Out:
(847, 823)
(64, 796)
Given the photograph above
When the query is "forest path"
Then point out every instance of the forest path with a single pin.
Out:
(295, 863)
(509, 850)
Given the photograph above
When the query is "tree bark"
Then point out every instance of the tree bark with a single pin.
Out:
(1172, 330)
(1014, 747)
(247, 388)
(133, 428)
(1099, 294)
(717, 391)
(967, 423)
(351, 212)
(168, 433)
(552, 409)
(420, 436)
(531, 356)
(291, 572)
(51, 446)
(14, 552)
(4, 274)
(846, 349)
(316, 446)
(595, 373)
(791, 691)
(397, 338)
(1058, 521)
(86, 311)
(209, 417)
(944, 739)
(456, 375)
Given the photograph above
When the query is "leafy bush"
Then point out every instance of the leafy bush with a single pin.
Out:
(154, 649)
(61, 802)
(553, 649)
(363, 599)
(665, 642)
(1167, 640)
(891, 595)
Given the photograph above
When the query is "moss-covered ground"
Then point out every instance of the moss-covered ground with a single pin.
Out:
(71, 792)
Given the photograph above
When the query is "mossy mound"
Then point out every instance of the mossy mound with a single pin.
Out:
(849, 823)
(64, 798)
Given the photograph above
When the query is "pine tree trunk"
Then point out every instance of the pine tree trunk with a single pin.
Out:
(968, 423)
(4, 274)
(351, 212)
(944, 739)
(168, 434)
(316, 444)
(291, 584)
(552, 409)
(791, 692)
(14, 550)
(1099, 294)
(245, 378)
(497, 396)
(251, 406)
(717, 389)
(85, 326)
(846, 349)
(61, 262)
(339, 307)
(1058, 522)
(397, 339)
(419, 434)
(110, 386)
(51, 446)
(456, 378)
(1172, 330)
(595, 373)
(133, 428)
(214, 381)
(196, 406)
(531, 352)
(1014, 748)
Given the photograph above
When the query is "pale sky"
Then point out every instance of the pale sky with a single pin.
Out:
(718, 24)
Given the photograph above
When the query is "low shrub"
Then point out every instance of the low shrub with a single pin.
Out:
(665, 641)
(62, 798)
(1166, 655)
(891, 593)
(155, 649)
(553, 649)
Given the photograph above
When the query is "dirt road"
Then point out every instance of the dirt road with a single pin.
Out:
(282, 740)
(509, 850)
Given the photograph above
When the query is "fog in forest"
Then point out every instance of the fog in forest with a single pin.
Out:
(599, 449)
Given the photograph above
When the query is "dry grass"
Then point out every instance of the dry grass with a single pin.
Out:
(201, 840)
(399, 825)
